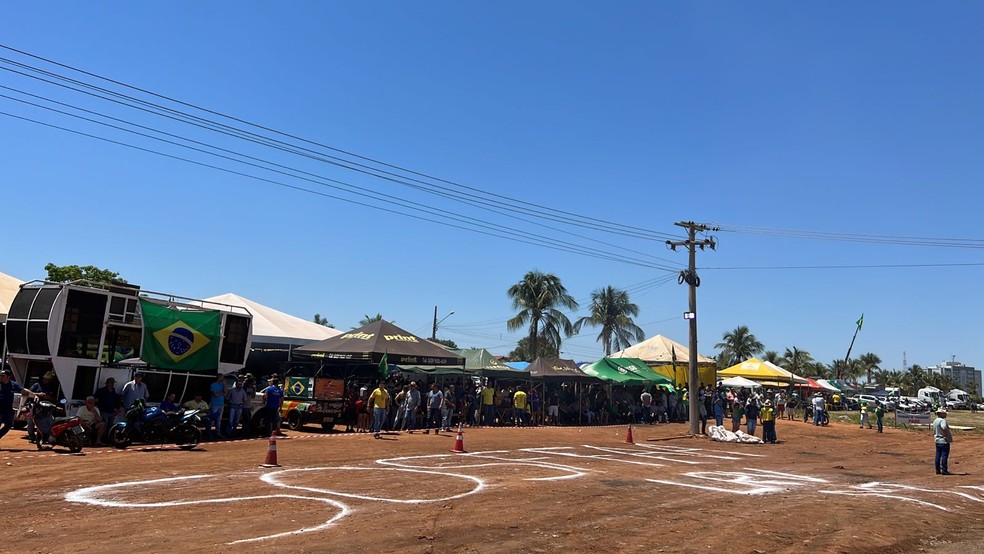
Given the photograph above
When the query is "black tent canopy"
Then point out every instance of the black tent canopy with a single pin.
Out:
(369, 343)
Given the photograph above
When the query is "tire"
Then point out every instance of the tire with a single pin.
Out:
(73, 442)
(187, 436)
(294, 421)
(327, 426)
(258, 423)
(119, 437)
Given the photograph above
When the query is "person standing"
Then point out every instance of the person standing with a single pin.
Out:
(135, 390)
(7, 389)
(737, 412)
(488, 404)
(413, 403)
(109, 403)
(818, 407)
(46, 389)
(519, 407)
(768, 416)
(273, 401)
(216, 406)
(718, 410)
(751, 415)
(379, 402)
(864, 416)
(879, 414)
(435, 399)
(646, 399)
(237, 402)
(943, 437)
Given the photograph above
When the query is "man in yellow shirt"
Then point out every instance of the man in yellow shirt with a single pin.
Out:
(768, 417)
(519, 406)
(488, 404)
(379, 402)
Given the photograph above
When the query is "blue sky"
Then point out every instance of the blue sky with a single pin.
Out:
(835, 118)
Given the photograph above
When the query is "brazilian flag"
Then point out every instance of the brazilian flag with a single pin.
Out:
(384, 367)
(180, 340)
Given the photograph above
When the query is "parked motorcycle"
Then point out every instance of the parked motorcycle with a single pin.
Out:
(51, 431)
(153, 425)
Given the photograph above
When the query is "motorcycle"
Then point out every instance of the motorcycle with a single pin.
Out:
(153, 425)
(51, 431)
(808, 416)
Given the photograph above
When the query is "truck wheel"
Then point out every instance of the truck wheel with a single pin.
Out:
(294, 421)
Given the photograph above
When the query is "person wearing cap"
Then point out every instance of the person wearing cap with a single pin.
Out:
(942, 437)
(273, 401)
(768, 417)
(135, 390)
(109, 403)
(819, 405)
(7, 389)
(879, 414)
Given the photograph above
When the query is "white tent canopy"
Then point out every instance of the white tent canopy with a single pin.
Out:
(660, 350)
(9, 287)
(274, 327)
(827, 386)
(739, 383)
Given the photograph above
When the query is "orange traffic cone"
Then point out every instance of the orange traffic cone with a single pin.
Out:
(628, 436)
(271, 457)
(459, 443)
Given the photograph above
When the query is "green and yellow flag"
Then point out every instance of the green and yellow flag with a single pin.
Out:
(384, 367)
(860, 322)
(180, 340)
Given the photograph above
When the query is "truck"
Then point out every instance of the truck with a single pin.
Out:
(312, 395)
(930, 395)
(957, 399)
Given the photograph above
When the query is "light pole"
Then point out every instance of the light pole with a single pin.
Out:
(436, 322)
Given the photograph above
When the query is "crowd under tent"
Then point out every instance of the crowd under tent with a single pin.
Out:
(671, 359)
(361, 352)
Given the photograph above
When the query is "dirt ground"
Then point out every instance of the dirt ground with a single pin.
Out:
(547, 489)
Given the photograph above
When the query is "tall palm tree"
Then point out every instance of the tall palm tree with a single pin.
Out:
(739, 345)
(612, 311)
(772, 356)
(369, 319)
(818, 370)
(869, 362)
(538, 297)
(796, 359)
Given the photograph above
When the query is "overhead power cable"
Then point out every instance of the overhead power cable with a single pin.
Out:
(509, 202)
(858, 237)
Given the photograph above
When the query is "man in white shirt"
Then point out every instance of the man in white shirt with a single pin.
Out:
(943, 437)
(92, 420)
(818, 407)
(134, 390)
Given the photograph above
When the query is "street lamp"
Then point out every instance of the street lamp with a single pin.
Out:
(436, 322)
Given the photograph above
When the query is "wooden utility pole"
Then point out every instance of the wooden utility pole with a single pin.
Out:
(690, 277)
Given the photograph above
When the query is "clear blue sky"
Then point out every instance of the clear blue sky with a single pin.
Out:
(838, 118)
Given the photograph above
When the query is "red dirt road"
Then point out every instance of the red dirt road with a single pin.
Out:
(570, 489)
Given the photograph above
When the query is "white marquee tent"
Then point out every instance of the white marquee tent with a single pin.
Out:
(274, 327)
(9, 286)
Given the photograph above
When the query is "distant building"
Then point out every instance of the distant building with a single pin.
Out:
(968, 377)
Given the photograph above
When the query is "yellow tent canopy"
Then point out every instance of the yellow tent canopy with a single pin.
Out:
(756, 370)
(662, 354)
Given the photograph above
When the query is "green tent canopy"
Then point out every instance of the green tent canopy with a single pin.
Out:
(625, 370)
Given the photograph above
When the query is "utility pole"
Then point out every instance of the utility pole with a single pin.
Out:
(690, 277)
(434, 332)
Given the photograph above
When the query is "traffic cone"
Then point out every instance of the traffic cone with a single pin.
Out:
(459, 443)
(628, 436)
(271, 457)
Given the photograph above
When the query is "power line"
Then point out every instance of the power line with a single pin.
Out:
(863, 266)
(858, 237)
(603, 225)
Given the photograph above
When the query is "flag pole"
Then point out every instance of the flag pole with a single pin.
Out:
(859, 322)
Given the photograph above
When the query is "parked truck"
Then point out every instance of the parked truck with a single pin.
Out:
(957, 399)
(930, 395)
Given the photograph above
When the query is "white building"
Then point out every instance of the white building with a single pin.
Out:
(968, 377)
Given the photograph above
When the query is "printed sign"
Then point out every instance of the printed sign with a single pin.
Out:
(912, 418)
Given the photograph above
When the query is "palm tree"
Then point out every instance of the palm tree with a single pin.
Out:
(869, 362)
(612, 311)
(818, 370)
(370, 319)
(739, 345)
(323, 321)
(772, 356)
(538, 296)
(796, 359)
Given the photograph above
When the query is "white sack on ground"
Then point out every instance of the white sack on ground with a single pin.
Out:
(720, 434)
